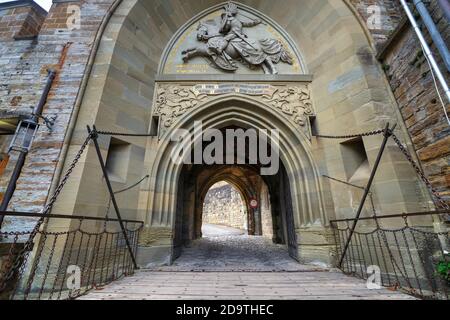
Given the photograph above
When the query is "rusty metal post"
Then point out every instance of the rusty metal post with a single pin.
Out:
(387, 134)
(111, 192)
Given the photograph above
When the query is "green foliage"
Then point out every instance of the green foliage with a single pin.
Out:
(443, 269)
(386, 67)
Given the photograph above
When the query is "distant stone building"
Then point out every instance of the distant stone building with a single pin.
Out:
(223, 206)
(135, 66)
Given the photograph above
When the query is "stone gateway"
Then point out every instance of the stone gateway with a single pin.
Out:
(139, 73)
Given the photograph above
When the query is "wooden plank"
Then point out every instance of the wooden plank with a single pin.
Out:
(146, 285)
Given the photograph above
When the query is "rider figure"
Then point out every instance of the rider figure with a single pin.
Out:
(232, 27)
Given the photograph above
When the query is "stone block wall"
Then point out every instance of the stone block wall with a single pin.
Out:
(23, 64)
(223, 206)
(413, 87)
(21, 21)
(390, 16)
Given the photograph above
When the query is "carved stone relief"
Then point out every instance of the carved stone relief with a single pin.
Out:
(231, 38)
(292, 101)
(224, 41)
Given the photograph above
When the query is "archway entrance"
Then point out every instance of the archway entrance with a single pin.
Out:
(265, 199)
(224, 212)
(177, 188)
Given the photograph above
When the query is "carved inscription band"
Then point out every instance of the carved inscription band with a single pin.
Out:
(227, 88)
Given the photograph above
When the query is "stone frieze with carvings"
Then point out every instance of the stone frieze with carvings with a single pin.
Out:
(173, 100)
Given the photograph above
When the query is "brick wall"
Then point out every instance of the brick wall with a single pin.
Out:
(21, 21)
(391, 15)
(24, 65)
(412, 84)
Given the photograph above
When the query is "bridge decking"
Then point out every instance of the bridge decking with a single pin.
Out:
(306, 285)
(238, 267)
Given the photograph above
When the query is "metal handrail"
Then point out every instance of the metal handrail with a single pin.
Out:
(62, 216)
(403, 215)
(100, 256)
(408, 258)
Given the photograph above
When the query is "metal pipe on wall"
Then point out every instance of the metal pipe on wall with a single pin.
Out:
(426, 49)
(37, 113)
(445, 6)
(434, 32)
(12, 182)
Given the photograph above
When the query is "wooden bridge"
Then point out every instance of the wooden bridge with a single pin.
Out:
(239, 267)
(302, 285)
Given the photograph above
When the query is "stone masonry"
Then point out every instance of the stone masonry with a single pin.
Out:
(390, 17)
(24, 62)
(21, 22)
(223, 206)
(412, 84)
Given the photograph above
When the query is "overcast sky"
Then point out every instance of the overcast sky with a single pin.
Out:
(46, 4)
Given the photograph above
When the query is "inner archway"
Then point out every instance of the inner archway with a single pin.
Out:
(224, 211)
(267, 247)
(265, 199)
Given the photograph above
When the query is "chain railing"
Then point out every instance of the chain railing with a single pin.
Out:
(62, 257)
(412, 257)
(16, 266)
(442, 203)
(88, 253)
(402, 252)
(351, 136)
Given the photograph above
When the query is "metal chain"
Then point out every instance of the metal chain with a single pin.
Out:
(444, 205)
(108, 208)
(365, 134)
(357, 187)
(21, 257)
(111, 133)
(74, 163)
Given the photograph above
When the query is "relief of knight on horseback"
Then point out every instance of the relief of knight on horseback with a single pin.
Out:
(227, 43)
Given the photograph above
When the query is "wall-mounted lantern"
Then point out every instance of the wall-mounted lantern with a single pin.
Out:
(24, 136)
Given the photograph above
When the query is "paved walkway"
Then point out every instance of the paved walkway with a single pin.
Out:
(227, 249)
(238, 267)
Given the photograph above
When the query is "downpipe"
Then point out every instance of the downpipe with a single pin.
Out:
(426, 49)
(34, 119)
(445, 6)
(434, 32)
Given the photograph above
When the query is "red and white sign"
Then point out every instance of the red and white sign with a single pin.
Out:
(253, 203)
